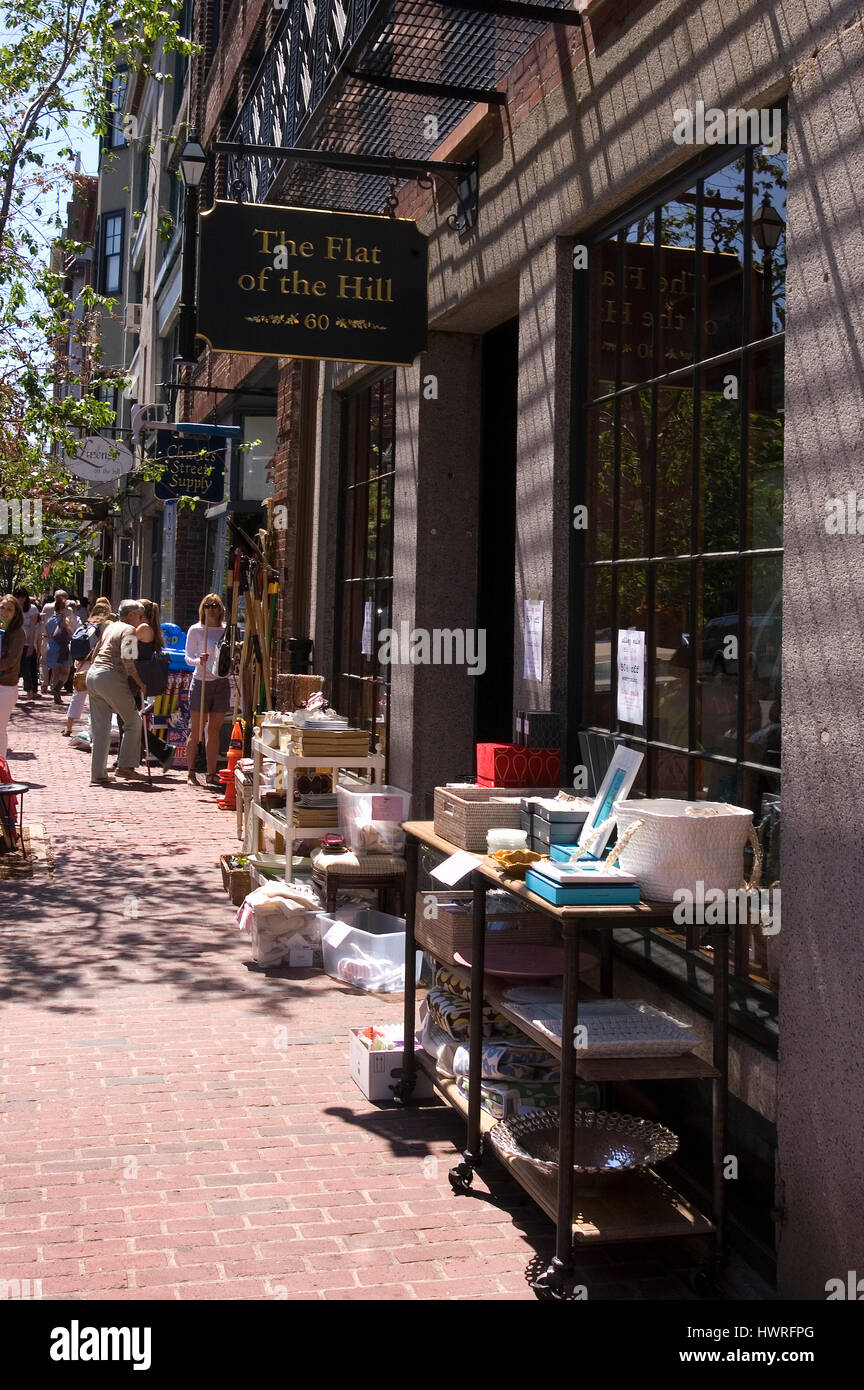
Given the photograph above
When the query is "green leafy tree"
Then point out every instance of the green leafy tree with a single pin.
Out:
(56, 62)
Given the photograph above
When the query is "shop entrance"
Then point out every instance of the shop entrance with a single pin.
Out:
(496, 570)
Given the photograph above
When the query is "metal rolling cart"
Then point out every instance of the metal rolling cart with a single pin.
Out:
(634, 1206)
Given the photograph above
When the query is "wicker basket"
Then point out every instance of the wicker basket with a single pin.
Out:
(464, 814)
(448, 932)
(677, 845)
(236, 882)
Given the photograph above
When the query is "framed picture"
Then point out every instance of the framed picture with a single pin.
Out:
(615, 787)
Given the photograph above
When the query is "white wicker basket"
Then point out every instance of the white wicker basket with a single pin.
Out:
(673, 845)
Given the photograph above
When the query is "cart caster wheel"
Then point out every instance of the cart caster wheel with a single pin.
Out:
(403, 1090)
(550, 1283)
(461, 1178)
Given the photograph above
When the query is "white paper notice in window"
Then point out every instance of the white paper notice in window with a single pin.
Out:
(533, 640)
(631, 676)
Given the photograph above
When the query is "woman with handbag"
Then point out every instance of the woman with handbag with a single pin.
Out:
(152, 667)
(11, 652)
(100, 617)
(210, 693)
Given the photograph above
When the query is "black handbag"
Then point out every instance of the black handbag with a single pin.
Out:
(154, 673)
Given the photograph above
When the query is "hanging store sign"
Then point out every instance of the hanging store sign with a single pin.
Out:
(193, 466)
(100, 460)
(293, 282)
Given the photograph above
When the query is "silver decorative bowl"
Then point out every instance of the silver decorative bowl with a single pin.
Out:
(603, 1141)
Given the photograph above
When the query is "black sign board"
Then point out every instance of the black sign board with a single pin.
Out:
(292, 282)
(193, 466)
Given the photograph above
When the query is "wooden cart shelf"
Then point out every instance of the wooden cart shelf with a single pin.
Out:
(630, 1206)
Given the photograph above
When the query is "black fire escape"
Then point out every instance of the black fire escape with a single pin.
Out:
(370, 88)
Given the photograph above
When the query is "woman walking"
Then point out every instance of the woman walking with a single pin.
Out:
(11, 651)
(108, 687)
(59, 629)
(209, 693)
(99, 620)
(30, 659)
(150, 645)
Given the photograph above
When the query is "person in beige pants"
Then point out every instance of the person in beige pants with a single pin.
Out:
(108, 678)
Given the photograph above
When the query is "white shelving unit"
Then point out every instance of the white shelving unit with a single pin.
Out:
(291, 764)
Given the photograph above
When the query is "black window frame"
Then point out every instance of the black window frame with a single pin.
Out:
(108, 217)
(348, 682)
(115, 138)
(697, 172)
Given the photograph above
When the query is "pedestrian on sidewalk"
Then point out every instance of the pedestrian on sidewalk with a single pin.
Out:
(108, 687)
(100, 618)
(202, 641)
(151, 644)
(58, 663)
(11, 651)
(32, 632)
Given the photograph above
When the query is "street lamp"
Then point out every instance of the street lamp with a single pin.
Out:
(193, 161)
(768, 227)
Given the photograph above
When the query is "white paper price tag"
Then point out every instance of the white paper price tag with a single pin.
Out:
(454, 869)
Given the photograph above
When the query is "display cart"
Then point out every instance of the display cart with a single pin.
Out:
(291, 764)
(634, 1206)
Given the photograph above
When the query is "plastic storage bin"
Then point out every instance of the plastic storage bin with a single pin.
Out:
(370, 819)
(366, 948)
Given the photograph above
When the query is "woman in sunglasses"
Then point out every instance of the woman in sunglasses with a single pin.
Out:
(209, 693)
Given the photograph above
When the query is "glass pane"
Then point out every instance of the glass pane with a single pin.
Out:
(372, 530)
(760, 659)
(765, 449)
(669, 773)
(715, 782)
(635, 427)
(385, 526)
(722, 260)
(388, 423)
(602, 311)
(671, 665)
(632, 613)
(720, 455)
(677, 269)
(374, 438)
(600, 480)
(717, 658)
(635, 322)
(355, 508)
(673, 486)
(596, 708)
(768, 280)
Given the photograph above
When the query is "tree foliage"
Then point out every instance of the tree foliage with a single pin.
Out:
(56, 62)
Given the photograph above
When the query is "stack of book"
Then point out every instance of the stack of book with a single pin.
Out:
(333, 743)
(583, 884)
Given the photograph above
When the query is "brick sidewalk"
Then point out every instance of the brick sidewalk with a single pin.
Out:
(156, 1141)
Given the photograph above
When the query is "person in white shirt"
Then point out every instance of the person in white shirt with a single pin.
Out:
(32, 633)
(209, 693)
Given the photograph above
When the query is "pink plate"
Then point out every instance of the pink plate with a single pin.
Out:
(524, 962)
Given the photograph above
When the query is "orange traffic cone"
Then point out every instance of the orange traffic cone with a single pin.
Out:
(228, 802)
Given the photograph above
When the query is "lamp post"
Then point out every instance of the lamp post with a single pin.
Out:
(192, 164)
(768, 227)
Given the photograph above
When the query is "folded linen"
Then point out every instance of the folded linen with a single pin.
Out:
(513, 1061)
(453, 1016)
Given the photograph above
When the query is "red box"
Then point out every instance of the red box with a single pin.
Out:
(512, 765)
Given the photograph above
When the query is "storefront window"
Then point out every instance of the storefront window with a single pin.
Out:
(682, 476)
(366, 580)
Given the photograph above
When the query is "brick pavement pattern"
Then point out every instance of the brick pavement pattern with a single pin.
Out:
(159, 1141)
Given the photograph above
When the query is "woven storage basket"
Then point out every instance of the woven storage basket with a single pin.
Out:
(464, 814)
(674, 845)
(449, 932)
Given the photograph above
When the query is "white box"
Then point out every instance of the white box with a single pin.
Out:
(370, 819)
(373, 1071)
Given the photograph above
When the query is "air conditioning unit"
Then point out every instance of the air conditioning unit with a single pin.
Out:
(132, 318)
(147, 417)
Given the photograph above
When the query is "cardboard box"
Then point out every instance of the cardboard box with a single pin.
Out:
(510, 765)
(373, 1071)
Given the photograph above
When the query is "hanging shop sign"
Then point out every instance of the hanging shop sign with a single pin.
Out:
(293, 282)
(193, 466)
(100, 460)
